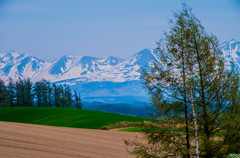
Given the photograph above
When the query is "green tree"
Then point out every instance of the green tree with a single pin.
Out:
(43, 93)
(4, 100)
(62, 95)
(49, 94)
(190, 86)
(57, 96)
(24, 95)
(28, 94)
(77, 100)
(19, 92)
(68, 97)
(11, 92)
(38, 93)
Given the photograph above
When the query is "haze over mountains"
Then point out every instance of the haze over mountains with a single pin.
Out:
(94, 77)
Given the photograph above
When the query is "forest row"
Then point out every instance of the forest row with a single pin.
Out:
(24, 93)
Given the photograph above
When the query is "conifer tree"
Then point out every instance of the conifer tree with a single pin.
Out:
(77, 100)
(28, 95)
(49, 94)
(57, 96)
(38, 93)
(43, 93)
(62, 96)
(19, 92)
(68, 95)
(190, 86)
(4, 100)
(23, 93)
(11, 92)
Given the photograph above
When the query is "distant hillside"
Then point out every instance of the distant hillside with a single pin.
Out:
(135, 109)
(63, 117)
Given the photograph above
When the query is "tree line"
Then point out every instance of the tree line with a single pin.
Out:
(24, 93)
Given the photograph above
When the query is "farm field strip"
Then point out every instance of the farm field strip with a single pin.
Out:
(26, 140)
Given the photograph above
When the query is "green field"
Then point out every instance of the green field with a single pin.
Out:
(132, 129)
(141, 129)
(63, 117)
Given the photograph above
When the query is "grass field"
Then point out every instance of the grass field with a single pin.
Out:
(132, 129)
(140, 129)
(63, 117)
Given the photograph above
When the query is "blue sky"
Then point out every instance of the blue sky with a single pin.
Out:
(49, 29)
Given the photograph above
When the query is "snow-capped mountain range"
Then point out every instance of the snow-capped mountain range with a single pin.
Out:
(83, 68)
(111, 76)
(231, 52)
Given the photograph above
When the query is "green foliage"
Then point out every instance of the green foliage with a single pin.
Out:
(24, 96)
(124, 124)
(57, 96)
(143, 129)
(64, 117)
(11, 92)
(233, 156)
(24, 93)
(190, 85)
(77, 101)
(133, 129)
(3, 95)
(43, 92)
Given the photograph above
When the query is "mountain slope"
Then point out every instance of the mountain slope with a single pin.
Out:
(16, 65)
(231, 52)
(93, 76)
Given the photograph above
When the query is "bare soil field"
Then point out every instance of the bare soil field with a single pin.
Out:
(18, 140)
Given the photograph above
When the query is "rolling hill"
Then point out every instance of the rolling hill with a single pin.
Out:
(63, 117)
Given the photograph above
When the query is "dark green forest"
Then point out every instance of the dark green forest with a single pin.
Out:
(24, 93)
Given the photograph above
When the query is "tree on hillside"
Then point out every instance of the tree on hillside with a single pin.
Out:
(11, 92)
(19, 92)
(77, 100)
(57, 96)
(192, 89)
(62, 96)
(4, 101)
(49, 90)
(28, 95)
(38, 93)
(23, 90)
(68, 97)
(43, 93)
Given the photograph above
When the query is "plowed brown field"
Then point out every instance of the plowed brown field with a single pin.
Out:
(18, 140)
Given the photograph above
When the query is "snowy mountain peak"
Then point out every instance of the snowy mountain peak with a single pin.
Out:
(9, 56)
(231, 47)
(113, 60)
(231, 52)
(17, 65)
(144, 52)
(13, 54)
(232, 40)
(143, 58)
(91, 69)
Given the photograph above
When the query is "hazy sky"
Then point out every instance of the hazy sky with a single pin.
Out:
(49, 29)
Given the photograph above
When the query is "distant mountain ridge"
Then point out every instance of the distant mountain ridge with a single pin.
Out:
(231, 52)
(83, 68)
(95, 77)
